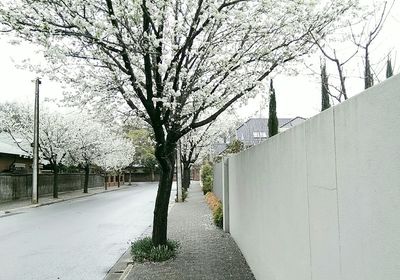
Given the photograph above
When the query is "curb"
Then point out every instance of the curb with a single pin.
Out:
(9, 211)
(121, 269)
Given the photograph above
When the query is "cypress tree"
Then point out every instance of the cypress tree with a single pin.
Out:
(273, 119)
(389, 69)
(325, 104)
(368, 78)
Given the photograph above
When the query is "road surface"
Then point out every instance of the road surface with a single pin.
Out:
(80, 239)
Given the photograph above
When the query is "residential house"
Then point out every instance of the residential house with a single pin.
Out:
(255, 131)
(12, 157)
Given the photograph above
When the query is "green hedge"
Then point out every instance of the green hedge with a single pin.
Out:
(207, 178)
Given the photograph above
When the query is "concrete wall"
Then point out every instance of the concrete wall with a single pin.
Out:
(321, 201)
(217, 179)
(14, 187)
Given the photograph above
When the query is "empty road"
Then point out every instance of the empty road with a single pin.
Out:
(80, 239)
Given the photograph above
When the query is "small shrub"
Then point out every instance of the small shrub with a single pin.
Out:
(207, 178)
(143, 250)
(216, 208)
(218, 216)
(207, 184)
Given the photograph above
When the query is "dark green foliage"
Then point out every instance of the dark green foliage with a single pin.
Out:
(218, 216)
(368, 78)
(389, 68)
(272, 119)
(143, 140)
(234, 147)
(143, 250)
(207, 184)
(207, 177)
(325, 104)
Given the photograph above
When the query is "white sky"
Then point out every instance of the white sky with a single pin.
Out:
(296, 95)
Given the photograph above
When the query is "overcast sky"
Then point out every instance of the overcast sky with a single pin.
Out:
(296, 95)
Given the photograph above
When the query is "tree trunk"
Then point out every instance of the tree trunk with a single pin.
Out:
(118, 179)
(55, 180)
(105, 181)
(165, 154)
(186, 176)
(86, 183)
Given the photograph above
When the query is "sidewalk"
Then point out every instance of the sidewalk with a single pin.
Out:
(10, 206)
(205, 252)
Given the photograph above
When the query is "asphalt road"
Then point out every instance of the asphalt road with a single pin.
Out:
(80, 239)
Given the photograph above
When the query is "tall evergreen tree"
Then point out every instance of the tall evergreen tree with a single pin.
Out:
(325, 104)
(273, 119)
(389, 68)
(368, 77)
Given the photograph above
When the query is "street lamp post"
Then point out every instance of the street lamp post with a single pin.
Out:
(35, 167)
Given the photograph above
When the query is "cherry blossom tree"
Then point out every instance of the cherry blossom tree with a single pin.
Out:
(90, 141)
(54, 134)
(177, 64)
(120, 155)
(198, 143)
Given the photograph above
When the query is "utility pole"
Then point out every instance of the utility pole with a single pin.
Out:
(35, 167)
(178, 173)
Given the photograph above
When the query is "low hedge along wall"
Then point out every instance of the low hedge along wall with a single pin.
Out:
(216, 208)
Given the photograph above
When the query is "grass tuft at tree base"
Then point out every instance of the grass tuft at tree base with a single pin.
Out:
(143, 250)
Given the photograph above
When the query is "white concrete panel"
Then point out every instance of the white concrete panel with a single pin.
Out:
(321, 201)
(269, 208)
(321, 175)
(218, 180)
(368, 169)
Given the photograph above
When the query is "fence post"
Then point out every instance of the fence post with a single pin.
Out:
(225, 193)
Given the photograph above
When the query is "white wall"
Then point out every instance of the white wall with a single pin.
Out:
(321, 201)
(218, 179)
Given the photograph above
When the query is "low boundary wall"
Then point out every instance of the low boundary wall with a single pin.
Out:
(17, 186)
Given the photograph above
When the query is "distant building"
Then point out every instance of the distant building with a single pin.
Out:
(255, 131)
(12, 157)
(218, 148)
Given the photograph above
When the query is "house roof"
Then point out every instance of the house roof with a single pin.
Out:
(218, 148)
(261, 124)
(293, 122)
(9, 146)
(255, 130)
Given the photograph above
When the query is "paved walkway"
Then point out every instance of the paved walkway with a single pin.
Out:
(9, 206)
(206, 252)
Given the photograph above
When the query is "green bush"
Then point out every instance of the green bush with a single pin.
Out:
(143, 250)
(218, 216)
(207, 178)
(216, 208)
